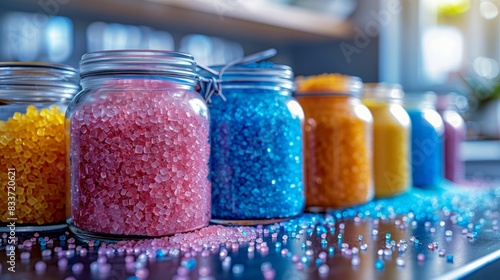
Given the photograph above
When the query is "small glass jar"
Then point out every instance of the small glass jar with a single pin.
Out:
(256, 138)
(454, 135)
(391, 138)
(139, 146)
(426, 139)
(33, 101)
(338, 141)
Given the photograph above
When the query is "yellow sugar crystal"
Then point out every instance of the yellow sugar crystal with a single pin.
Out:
(51, 158)
(40, 131)
(59, 137)
(60, 166)
(44, 112)
(17, 116)
(18, 148)
(32, 201)
(4, 140)
(31, 111)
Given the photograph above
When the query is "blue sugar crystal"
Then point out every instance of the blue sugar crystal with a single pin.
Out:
(331, 250)
(189, 264)
(388, 236)
(256, 155)
(449, 258)
(160, 253)
(379, 264)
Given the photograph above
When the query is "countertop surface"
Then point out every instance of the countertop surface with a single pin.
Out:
(447, 233)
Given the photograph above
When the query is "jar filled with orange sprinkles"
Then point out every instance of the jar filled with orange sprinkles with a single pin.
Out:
(337, 141)
(33, 101)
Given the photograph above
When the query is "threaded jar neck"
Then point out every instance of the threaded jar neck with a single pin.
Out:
(143, 64)
(37, 82)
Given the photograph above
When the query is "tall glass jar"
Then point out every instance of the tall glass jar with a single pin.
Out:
(454, 135)
(338, 141)
(139, 146)
(256, 138)
(426, 139)
(33, 101)
(391, 138)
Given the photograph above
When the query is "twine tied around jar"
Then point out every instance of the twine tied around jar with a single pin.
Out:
(213, 85)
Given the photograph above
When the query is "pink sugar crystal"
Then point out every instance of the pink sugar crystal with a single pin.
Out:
(140, 160)
(207, 237)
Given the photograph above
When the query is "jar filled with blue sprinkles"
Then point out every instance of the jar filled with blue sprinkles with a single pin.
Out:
(426, 139)
(256, 146)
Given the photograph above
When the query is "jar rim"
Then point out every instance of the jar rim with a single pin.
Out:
(36, 64)
(390, 91)
(141, 62)
(37, 81)
(420, 99)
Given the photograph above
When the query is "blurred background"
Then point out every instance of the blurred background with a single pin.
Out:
(425, 45)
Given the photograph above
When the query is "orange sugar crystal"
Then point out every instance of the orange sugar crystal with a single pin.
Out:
(33, 145)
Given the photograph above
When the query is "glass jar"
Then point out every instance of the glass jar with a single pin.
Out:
(454, 135)
(33, 101)
(139, 146)
(426, 139)
(256, 138)
(338, 141)
(391, 138)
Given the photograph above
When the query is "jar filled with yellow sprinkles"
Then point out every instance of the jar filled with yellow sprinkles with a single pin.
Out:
(33, 101)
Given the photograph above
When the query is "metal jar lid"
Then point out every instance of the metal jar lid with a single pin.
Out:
(257, 75)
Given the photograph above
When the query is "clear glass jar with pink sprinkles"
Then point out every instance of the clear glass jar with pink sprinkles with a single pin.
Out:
(139, 146)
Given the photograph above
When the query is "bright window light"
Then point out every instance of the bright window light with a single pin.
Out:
(486, 67)
(442, 48)
(488, 10)
(59, 38)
